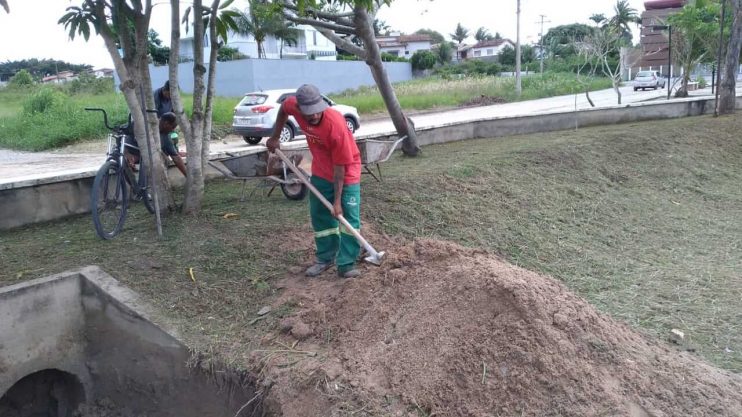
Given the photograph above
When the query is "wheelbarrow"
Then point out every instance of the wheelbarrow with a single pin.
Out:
(264, 167)
(374, 152)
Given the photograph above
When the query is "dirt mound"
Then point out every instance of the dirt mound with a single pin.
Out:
(447, 331)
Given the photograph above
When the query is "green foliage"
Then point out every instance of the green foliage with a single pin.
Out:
(560, 40)
(483, 35)
(444, 52)
(21, 79)
(160, 54)
(225, 53)
(39, 68)
(89, 84)
(460, 34)
(43, 101)
(470, 67)
(507, 56)
(423, 60)
(434, 35)
(387, 57)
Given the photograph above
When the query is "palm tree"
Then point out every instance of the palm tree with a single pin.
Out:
(483, 35)
(625, 14)
(258, 22)
(287, 34)
(598, 18)
(459, 36)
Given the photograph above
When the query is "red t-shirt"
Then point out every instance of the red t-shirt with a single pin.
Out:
(330, 142)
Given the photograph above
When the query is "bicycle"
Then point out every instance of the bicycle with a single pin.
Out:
(109, 197)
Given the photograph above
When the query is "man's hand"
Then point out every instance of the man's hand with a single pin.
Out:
(337, 208)
(272, 144)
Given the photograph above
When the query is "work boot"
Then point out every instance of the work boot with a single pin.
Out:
(352, 273)
(317, 268)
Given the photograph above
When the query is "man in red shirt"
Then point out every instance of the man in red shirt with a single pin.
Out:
(336, 173)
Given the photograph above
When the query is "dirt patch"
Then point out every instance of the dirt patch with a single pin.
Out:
(448, 331)
(483, 100)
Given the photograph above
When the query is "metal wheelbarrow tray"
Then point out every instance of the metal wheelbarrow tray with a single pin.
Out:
(255, 166)
(374, 152)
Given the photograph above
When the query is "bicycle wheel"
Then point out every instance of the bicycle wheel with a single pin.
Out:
(145, 192)
(108, 200)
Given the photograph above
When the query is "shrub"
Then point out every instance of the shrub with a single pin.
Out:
(701, 82)
(87, 83)
(43, 100)
(21, 78)
(387, 57)
(422, 60)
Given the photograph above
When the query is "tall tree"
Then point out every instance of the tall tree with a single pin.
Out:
(218, 21)
(460, 34)
(157, 52)
(356, 18)
(598, 18)
(483, 35)
(259, 22)
(624, 15)
(694, 30)
(603, 47)
(4, 3)
(126, 24)
(434, 35)
(444, 52)
(727, 90)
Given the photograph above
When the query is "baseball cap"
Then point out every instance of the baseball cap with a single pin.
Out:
(309, 99)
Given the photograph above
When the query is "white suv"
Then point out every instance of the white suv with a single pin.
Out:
(255, 115)
(648, 79)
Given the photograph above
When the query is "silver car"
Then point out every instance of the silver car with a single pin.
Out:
(648, 79)
(255, 115)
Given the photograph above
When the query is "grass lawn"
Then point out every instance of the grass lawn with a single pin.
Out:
(66, 122)
(643, 220)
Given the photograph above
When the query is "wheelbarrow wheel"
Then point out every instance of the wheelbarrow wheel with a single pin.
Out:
(252, 140)
(294, 191)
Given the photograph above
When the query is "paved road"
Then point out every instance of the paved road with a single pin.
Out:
(20, 166)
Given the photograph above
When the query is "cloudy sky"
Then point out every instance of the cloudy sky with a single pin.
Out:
(31, 29)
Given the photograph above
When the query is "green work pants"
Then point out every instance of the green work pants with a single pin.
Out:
(334, 243)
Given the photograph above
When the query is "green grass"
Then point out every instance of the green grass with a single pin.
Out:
(643, 220)
(435, 92)
(68, 123)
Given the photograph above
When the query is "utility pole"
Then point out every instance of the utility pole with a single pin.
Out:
(517, 51)
(541, 41)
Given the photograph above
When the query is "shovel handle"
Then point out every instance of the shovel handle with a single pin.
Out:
(327, 204)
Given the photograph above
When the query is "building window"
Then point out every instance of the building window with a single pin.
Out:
(477, 53)
(490, 52)
(314, 38)
(406, 52)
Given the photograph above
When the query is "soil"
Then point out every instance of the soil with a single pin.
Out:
(444, 330)
(483, 100)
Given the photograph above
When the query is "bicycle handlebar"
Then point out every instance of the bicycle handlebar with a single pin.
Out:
(105, 116)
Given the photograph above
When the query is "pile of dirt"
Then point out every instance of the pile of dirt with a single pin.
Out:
(448, 331)
(483, 100)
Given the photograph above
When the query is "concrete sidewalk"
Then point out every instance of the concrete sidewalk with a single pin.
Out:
(26, 168)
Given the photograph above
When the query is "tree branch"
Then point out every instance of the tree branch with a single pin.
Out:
(348, 30)
(335, 17)
(343, 43)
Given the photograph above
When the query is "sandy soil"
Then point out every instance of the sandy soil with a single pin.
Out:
(443, 330)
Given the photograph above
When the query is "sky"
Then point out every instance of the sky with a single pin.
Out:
(31, 29)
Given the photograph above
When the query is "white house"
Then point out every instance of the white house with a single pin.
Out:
(404, 45)
(59, 78)
(486, 49)
(311, 44)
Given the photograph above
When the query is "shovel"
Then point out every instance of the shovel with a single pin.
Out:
(374, 256)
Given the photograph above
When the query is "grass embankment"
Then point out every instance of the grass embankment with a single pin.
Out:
(643, 220)
(40, 118)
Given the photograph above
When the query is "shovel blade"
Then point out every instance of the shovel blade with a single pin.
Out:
(375, 259)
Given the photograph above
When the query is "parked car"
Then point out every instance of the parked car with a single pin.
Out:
(255, 115)
(648, 79)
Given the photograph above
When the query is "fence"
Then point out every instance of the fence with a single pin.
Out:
(235, 78)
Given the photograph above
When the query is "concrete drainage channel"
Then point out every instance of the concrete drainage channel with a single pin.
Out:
(81, 344)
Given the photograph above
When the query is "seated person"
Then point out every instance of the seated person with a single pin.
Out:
(167, 125)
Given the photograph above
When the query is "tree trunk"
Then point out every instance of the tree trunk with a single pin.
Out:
(133, 70)
(194, 189)
(211, 84)
(727, 89)
(365, 31)
(616, 89)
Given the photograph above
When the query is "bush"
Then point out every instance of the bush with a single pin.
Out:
(701, 82)
(89, 84)
(43, 100)
(470, 67)
(422, 60)
(21, 79)
(387, 57)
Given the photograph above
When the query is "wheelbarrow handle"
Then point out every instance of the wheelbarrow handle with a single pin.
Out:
(375, 256)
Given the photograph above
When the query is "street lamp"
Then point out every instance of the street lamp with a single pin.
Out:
(669, 54)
